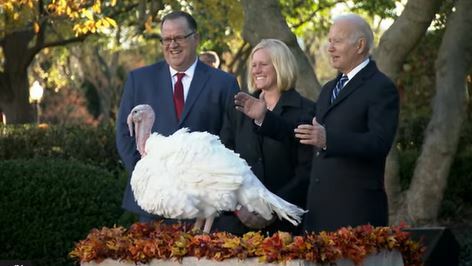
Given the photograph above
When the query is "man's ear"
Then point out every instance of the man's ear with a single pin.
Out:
(361, 45)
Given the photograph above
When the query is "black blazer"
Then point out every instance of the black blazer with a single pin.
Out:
(347, 179)
(283, 166)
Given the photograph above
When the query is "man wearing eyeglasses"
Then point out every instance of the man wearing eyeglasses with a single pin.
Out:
(183, 91)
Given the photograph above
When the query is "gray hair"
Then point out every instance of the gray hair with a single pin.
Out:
(361, 29)
(213, 56)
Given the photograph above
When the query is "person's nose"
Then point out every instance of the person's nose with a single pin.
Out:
(256, 69)
(173, 43)
(330, 47)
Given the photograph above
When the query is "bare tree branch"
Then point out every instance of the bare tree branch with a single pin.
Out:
(241, 50)
(309, 17)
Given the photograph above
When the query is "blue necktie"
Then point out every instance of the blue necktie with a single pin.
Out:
(339, 87)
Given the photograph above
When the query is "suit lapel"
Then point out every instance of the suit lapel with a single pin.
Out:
(196, 87)
(163, 83)
(354, 84)
(163, 79)
(324, 101)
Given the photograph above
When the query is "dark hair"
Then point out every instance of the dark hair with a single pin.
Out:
(181, 14)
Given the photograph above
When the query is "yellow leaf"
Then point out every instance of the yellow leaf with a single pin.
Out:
(36, 27)
(105, 23)
(74, 14)
(391, 241)
(232, 243)
(79, 29)
(96, 7)
(148, 24)
(111, 21)
(88, 14)
(68, 11)
(8, 6)
(16, 16)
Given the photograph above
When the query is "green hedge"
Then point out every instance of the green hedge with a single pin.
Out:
(48, 205)
(91, 145)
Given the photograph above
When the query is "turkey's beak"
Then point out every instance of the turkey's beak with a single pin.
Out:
(129, 121)
(140, 133)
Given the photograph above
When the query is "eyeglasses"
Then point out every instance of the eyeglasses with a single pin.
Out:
(178, 39)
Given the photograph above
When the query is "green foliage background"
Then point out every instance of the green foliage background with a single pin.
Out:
(56, 184)
(50, 204)
(84, 166)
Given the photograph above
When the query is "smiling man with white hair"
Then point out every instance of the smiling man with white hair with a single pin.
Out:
(353, 131)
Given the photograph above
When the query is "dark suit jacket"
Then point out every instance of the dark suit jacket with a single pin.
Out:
(283, 166)
(211, 92)
(347, 179)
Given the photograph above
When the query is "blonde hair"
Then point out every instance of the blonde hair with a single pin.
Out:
(283, 61)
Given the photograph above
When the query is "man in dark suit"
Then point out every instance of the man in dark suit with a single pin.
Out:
(183, 92)
(353, 131)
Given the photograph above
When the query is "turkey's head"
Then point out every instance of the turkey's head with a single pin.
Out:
(140, 121)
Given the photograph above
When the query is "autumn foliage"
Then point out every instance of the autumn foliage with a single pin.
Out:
(86, 15)
(143, 242)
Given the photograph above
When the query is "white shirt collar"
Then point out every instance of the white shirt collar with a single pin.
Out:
(188, 73)
(187, 79)
(356, 70)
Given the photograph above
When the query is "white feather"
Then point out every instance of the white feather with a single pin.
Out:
(193, 175)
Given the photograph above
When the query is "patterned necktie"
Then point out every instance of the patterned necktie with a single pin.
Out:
(179, 95)
(339, 87)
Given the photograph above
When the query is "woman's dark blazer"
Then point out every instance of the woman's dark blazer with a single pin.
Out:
(282, 165)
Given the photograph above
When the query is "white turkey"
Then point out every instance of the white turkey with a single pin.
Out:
(193, 175)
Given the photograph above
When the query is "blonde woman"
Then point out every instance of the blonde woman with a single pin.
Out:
(281, 163)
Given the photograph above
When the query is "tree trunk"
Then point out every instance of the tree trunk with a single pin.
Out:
(263, 19)
(14, 88)
(101, 68)
(238, 64)
(101, 71)
(404, 34)
(390, 54)
(18, 110)
(426, 191)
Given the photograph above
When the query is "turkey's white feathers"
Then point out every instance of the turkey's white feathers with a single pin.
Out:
(193, 175)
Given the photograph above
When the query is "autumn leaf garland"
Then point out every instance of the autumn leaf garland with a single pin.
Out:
(143, 242)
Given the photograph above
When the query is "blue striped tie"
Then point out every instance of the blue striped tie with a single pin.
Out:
(339, 87)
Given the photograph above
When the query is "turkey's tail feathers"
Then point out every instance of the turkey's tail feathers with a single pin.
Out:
(283, 208)
(266, 203)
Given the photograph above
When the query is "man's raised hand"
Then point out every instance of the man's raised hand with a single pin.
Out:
(314, 134)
